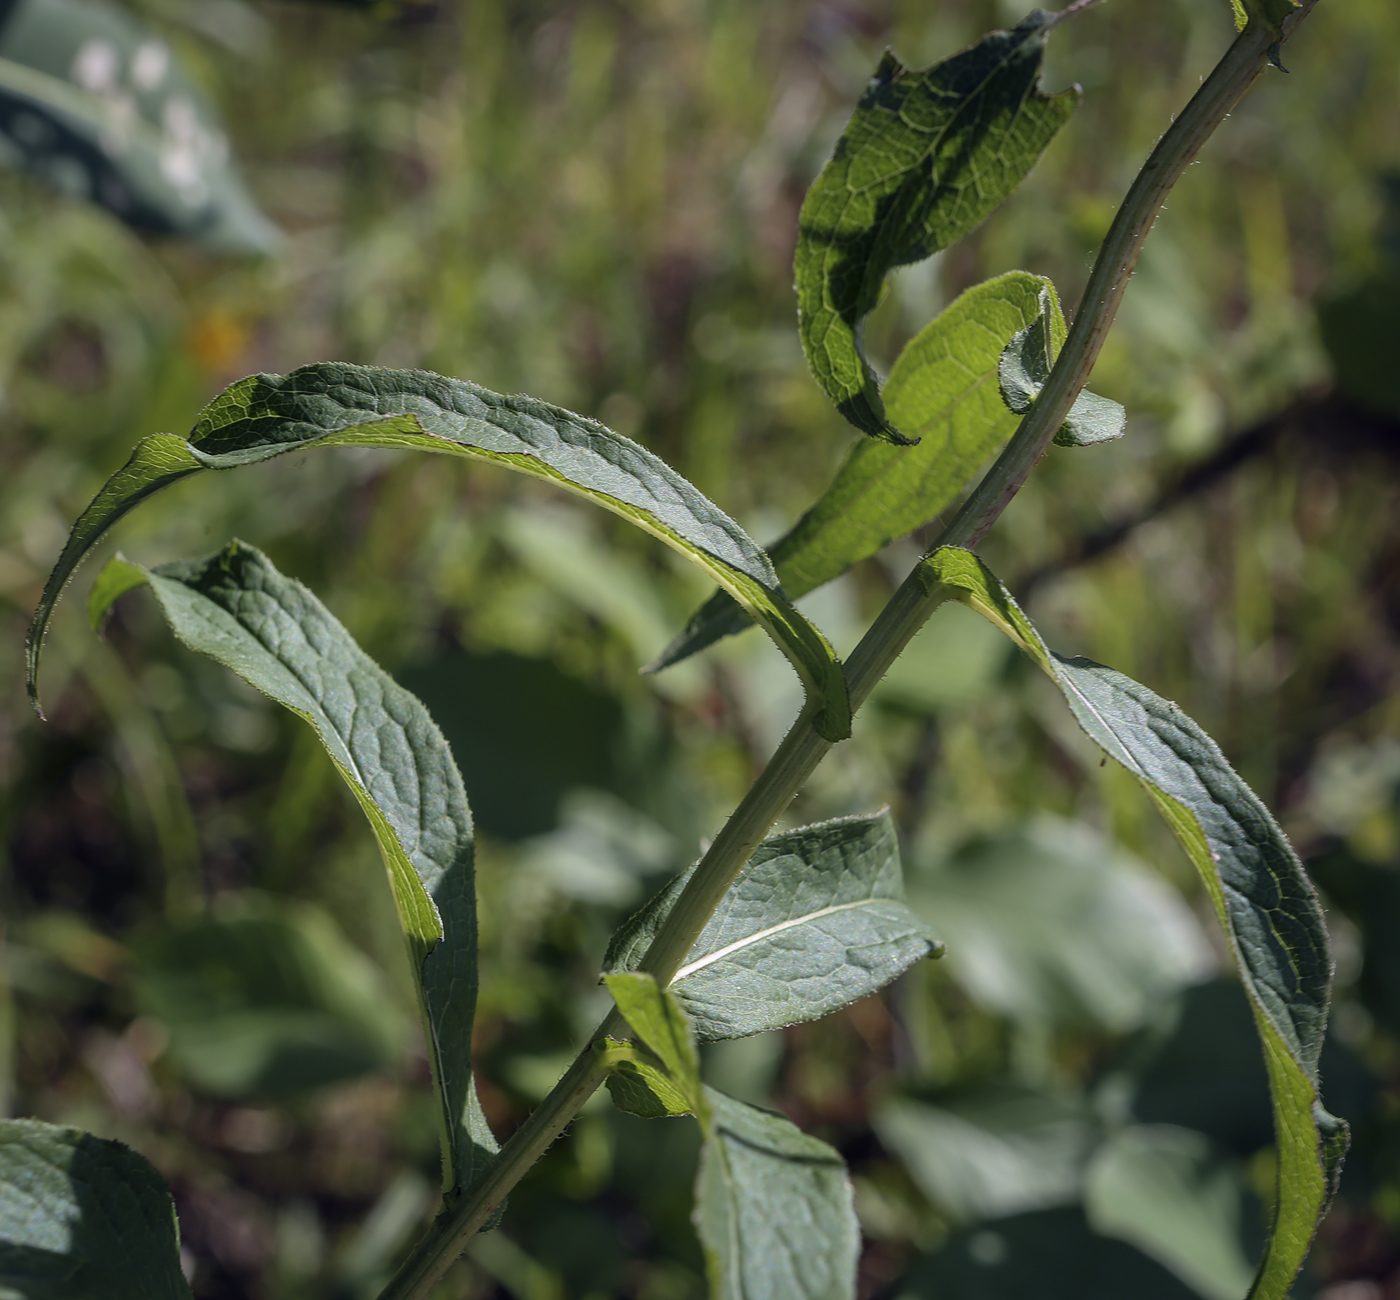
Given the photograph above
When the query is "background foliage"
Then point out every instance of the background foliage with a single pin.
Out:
(596, 203)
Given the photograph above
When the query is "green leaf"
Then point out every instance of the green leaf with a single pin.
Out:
(1168, 1192)
(992, 1150)
(237, 609)
(816, 920)
(658, 1019)
(1025, 366)
(639, 1082)
(98, 106)
(1270, 13)
(1058, 928)
(925, 158)
(943, 389)
(1265, 902)
(773, 1208)
(267, 996)
(334, 404)
(83, 1219)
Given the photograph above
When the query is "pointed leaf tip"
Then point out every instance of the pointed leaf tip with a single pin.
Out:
(1266, 904)
(334, 404)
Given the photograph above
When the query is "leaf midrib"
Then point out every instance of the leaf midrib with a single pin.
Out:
(793, 923)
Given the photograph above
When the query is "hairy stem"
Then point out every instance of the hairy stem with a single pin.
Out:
(802, 749)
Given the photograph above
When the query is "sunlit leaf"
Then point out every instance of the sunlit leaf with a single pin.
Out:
(83, 1219)
(99, 107)
(926, 156)
(237, 609)
(815, 921)
(1265, 902)
(334, 404)
(943, 390)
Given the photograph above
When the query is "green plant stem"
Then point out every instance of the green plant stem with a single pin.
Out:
(907, 611)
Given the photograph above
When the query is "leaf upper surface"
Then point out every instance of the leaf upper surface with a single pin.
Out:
(236, 608)
(83, 1219)
(926, 157)
(1265, 902)
(944, 390)
(815, 921)
(336, 404)
(774, 1209)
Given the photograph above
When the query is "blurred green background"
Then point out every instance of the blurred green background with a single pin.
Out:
(595, 201)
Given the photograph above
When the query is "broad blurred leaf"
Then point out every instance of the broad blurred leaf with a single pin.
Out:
(1025, 366)
(602, 851)
(816, 920)
(990, 1151)
(1046, 1254)
(1265, 902)
(926, 156)
(267, 996)
(333, 404)
(1197, 1067)
(773, 1207)
(99, 107)
(954, 658)
(237, 609)
(1056, 926)
(1167, 1192)
(943, 389)
(83, 1219)
(518, 785)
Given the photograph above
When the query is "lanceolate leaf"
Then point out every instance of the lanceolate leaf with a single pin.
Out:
(816, 920)
(926, 156)
(98, 106)
(1265, 901)
(942, 390)
(334, 404)
(83, 1219)
(1025, 366)
(237, 609)
(773, 1207)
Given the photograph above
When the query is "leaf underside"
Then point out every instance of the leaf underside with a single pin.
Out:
(1265, 902)
(925, 158)
(82, 1218)
(944, 389)
(1025, 366)
(815, 921)
(236, 608)
(334, 404)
